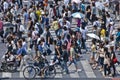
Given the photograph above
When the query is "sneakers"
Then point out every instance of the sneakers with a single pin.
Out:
(79, 70)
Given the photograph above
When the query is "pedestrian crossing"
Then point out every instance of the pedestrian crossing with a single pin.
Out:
(87, 71)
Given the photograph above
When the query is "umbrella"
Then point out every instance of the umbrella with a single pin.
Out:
(76, 1)
(78, 15)
(92, 35)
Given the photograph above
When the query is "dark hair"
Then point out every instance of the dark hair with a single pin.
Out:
(59, 37)
(111, 48)
(40, 42)
(105, 49)
(93, 4)
(55, 42)
(23, 38)
(42, 39)
(93, 41)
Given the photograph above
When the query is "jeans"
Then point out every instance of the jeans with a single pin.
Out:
(42, 26)
(73, 61)
(106, 68)
(65, 67)
(101, 60)
(114, 69)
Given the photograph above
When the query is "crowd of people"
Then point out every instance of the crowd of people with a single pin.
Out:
(38, 18)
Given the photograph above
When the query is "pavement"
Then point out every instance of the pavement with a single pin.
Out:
(86, 73)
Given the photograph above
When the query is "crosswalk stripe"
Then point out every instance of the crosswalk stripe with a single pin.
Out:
(118, 69)
(87, 68)
(21, 74)
(6, 74)
(73, 73)
(58, 75)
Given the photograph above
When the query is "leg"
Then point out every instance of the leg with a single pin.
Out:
(105, 68)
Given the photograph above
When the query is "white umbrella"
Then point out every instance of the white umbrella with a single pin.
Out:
(92, 35)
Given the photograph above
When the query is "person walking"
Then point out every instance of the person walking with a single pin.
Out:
(72, 57)
(113, 57)
(1, 30)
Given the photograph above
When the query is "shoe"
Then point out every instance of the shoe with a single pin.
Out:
(79, 70)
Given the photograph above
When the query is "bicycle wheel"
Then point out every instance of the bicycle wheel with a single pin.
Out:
(50, 72)
(37, 70)
(29, 72)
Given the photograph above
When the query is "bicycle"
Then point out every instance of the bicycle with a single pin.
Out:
(44, 70)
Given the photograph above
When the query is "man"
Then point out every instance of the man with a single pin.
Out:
(65, 58)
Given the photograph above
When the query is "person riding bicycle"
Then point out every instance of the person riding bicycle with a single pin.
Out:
(21, 56)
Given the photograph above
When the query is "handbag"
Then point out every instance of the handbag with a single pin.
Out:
(115, 60)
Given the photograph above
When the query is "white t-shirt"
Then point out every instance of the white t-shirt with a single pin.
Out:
(22, 29)
(32, 15)
(84, 32)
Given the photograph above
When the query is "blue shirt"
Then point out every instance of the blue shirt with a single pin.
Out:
(26, 16)
(40, 48)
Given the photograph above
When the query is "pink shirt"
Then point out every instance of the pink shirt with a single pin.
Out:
(1, 25)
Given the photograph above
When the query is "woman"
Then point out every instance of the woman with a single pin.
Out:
(113, 56)
(101, 56)
(107, 62)
(93, 49)
(72, 57)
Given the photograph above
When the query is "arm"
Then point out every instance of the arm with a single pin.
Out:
(57, 48)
